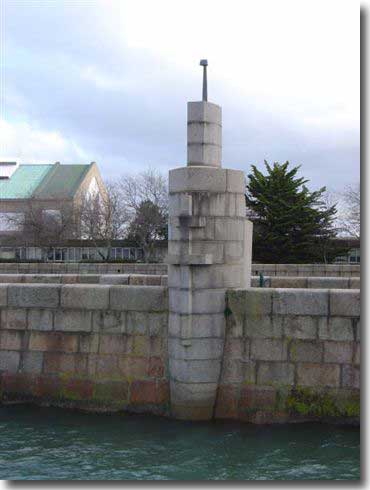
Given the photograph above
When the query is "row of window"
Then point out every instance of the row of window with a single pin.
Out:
(353, 257)
(76, 254)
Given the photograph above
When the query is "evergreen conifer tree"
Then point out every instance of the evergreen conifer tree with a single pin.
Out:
(291, 224)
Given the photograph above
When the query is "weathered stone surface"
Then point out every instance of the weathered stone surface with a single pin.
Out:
(133, 368)
(40, 319)
(78, 389)
(73, 320)
(229, 229)
(328, 282)
(137, 323)
(89, 343)
(138, 298)
(309, 374)
(114, 279)
(111, 390)
(264, 327)
(258, 302)
(191, 371)
(236, 348)
(3, 295)
(219, 276)
(257, 397)
(156, 367)
(269, 349)
(200, 301)
(14, 319)
(149, 392)
(113, 344)
(195, 179)
(299, 327)
(288, 282)
(59, 363)
(235, 181)
(345, 303)
(104, 366)
(354, 283)
(305, 351)
(11, 340)
(350, 376)
(53, 342)
(32, 362)
(238, 371)
(300, 302)
(275, 373)
(340, 352)
(234, 254)
(227, 402)
(196, 326)
(204, 111)
(207, 154)
(9, 361)
(109, 321)
(198, 349)
(89, 278)
(42, 278)
(193, 394)
(336, 328)
(33, 295)
(357, 353)
(91, 297)
(158, 324)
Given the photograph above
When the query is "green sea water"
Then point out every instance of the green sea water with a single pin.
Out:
(55, 444)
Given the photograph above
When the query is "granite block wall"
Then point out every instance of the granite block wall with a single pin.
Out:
(291, 354)
(162, 280)
(307, 270)
(85, 346)
(287, 354)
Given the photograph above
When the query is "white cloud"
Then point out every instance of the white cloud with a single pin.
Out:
(25, 143)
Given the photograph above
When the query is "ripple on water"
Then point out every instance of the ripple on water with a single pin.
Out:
(44, 444)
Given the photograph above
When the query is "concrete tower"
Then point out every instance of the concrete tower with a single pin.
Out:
(209, 251)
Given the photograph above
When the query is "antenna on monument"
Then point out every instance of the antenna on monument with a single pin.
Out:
(204, 63)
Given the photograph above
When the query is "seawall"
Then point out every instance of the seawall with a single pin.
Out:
(91, 347)
(162, 280)
(306, 270)
(287, 355)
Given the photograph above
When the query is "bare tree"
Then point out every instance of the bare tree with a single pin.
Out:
(145, 197)
(350, 216)
(42, 228)
(149, 185)
(103, 218)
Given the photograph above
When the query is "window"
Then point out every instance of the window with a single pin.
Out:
(11, 221)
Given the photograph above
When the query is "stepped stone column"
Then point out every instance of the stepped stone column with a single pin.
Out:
(209, 251)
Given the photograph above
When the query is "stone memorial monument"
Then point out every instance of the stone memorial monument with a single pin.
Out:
(209, 251)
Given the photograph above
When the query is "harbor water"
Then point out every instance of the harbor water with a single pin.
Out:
(55, 444)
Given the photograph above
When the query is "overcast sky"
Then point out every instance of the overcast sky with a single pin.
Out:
(108, 81)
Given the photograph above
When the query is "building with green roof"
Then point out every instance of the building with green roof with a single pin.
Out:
(48, 187)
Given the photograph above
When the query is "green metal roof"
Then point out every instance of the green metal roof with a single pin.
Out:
(23, 182)
(62, 182)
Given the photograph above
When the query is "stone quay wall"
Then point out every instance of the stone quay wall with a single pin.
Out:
(291, 354)
(306, 270)
(90, 347)
(119, 279)
(162, 280)
(308, 282)
(287, 354)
